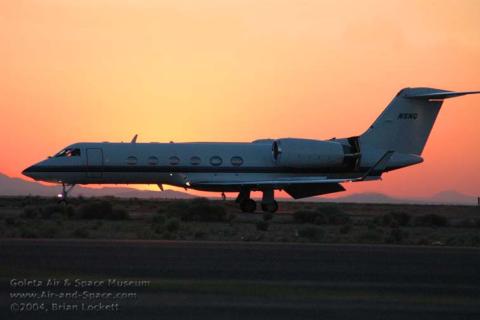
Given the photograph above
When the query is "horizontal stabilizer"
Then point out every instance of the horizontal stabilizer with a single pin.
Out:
(439, 95)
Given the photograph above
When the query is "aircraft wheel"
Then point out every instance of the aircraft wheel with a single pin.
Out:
(270, 207)
(248, 205)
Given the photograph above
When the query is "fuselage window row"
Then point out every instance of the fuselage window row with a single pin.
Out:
(195, 160)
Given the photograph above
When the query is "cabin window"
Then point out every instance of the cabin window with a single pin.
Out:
(174, 160)
(195, 160)
(69, 152)
(75, 152)
(132, 160)
(216, 161)
(61, 153)
(236, 161)
(153, 161)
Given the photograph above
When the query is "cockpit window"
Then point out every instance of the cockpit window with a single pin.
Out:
(69, 152)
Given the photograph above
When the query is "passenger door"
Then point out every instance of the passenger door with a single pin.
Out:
(94, 163)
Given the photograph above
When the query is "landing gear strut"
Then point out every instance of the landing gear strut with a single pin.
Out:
(66, 188)
(268, 201)
(246, 204)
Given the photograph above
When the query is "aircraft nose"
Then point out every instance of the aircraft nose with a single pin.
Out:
(35, 171)
(29, 171)
(39, 172)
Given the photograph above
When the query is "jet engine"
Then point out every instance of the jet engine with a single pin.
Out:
(301, 153)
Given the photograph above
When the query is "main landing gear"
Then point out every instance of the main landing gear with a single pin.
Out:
(270, 207)
(66, 188)
(268, 201)
(249, 205)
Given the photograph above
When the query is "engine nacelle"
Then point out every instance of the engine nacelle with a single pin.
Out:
(300, 153)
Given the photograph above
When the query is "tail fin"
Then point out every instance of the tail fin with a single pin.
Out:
(404, 126)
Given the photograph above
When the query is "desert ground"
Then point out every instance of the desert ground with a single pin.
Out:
(214, 220)
(203, 259)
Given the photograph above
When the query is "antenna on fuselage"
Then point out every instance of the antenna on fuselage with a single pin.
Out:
(134, 140)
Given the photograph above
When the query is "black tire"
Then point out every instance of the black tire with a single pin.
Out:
(248, 205)
(271, 207)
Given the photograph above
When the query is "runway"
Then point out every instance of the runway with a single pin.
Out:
(191, 280)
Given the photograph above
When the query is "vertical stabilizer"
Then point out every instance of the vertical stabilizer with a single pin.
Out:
(404, 126)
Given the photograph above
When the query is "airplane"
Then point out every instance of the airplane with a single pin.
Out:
(301, 167)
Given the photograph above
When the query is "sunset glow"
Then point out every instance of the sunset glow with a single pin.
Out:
(238, 70)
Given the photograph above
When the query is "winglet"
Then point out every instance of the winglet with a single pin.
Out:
(134, 140)
(377, 169)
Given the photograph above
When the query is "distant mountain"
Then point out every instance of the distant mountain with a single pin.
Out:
(452, 196)
(367, 198)
(16, 186)
(445, 197)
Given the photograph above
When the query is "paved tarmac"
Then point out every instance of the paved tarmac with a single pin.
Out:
(200, 280)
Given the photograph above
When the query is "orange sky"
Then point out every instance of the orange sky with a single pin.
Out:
(237, 70)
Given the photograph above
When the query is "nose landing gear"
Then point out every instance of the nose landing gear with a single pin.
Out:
(66, 188)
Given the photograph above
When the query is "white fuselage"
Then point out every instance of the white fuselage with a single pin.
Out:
(179, 164)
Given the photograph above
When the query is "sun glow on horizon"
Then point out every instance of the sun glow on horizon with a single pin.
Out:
(238, 71)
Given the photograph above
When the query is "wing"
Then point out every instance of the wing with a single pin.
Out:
(275, 183)
(374, 173)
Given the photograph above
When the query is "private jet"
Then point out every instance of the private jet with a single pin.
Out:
(301, 167)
